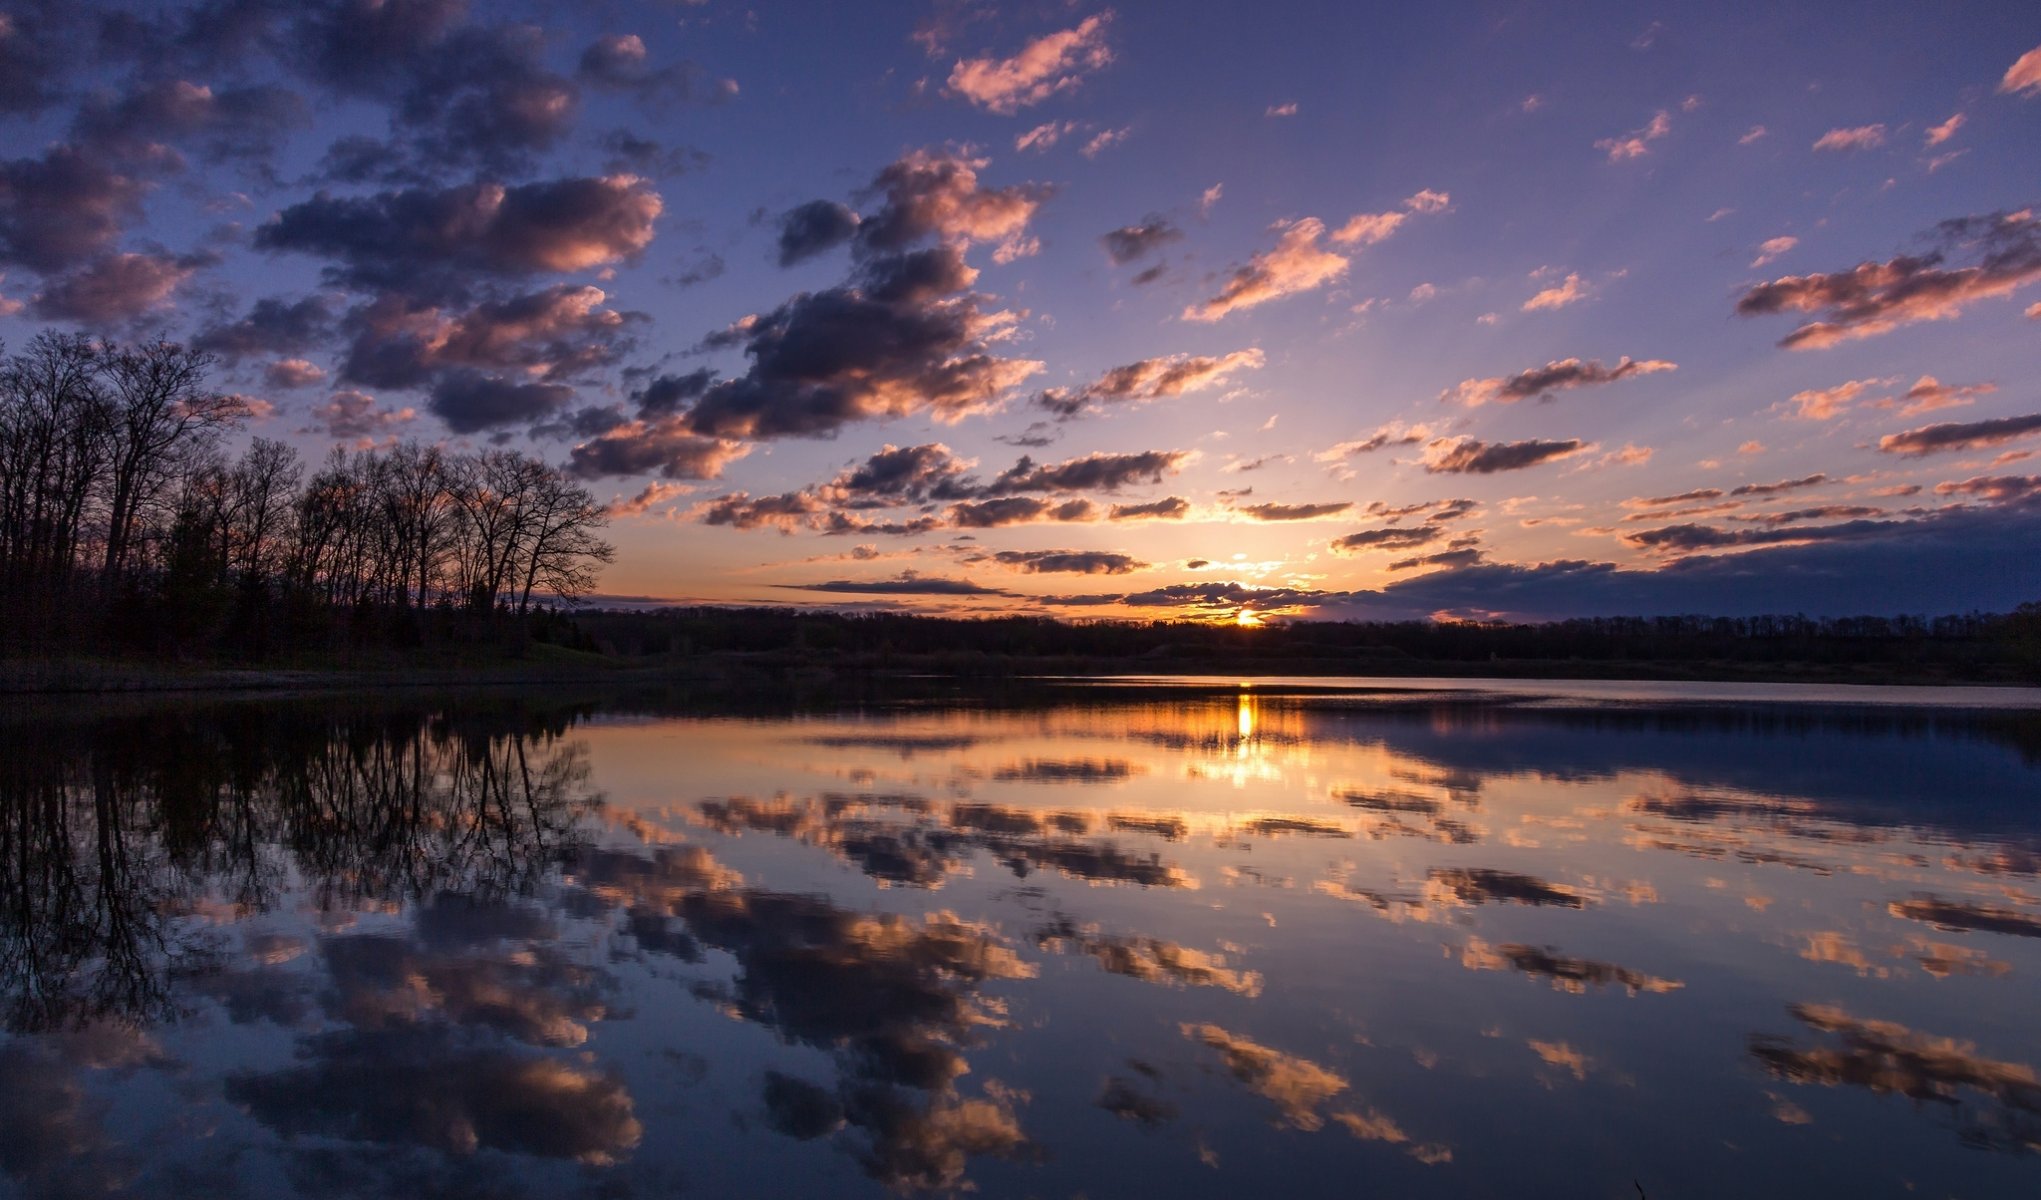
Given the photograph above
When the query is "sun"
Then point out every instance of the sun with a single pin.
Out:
(1247, 618)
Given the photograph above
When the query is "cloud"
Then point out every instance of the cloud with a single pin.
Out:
(1686, 539)
(1297, 1086)
(62, 209)
(2023, 78)
(1050, 64)
(1286, 109)
(355, 416)
(907, 583)
(1149, 379)
(1995, 489)
(738, 510)
(1465, 455)
(1102, 472)
(813, 228)
(1557, 376)
(1681, 498)
(114, 288)
(472, 402)
(1771, 248)
(1293, 512)
(936, 194)
(1395, 433)
(1931, 439)
(273, 326)
(1174, 508)
(1825, 512)
(1393, 537)
(1937, 134)
(1296, 264)
(1077, 562)
(662, 444)
(523, 229)
(1929, 394)
(1637, 143)
(898, 344)
(236, 122)
(902, 475)
(1366, 229)
(554, 334)
(1019, 510)
(1453, 559)
(1784, 485)
(1861, 137)
(621, 63)
(1874, 298)
(288, 373)
(1131, 242)
(1824, 404)
(1568, 291)
(1046, 135)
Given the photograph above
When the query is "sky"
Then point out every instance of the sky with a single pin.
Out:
(1329, 310)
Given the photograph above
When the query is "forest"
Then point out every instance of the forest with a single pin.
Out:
(124, 527)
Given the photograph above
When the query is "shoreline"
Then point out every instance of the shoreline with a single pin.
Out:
(86, 677)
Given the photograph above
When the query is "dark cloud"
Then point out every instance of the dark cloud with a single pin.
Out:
(621, 63)
(61, 209)
(1466, 456)
(935, 194)
(115, 287)
(32, 61)
(234, 122)
(1686, 538)
(1293, 512)
(1482, 885)
(1967, 916)
(1131, 242)
(813, 228)
(664, 445)
(1565, 973)
(1768, 488)
(902, 475)
(1019, 510)
(391, 238)
(1175, 508)
(1871, 298)
(667, 394)
(366, 46)
(1392, 537)
(1666, 501)
(1076, 562)
(1995, 489)
(739, 510)
(1034, 437)
(1450, 559)
(1825, 512)
(632, 154)
(273, 325)
(1094, 472)
(826, 359)
(1995, 1105)
(907, 583)
(420, 1088)
(559, 333)
(471, 402)
(1931, 439)
(1540, 382)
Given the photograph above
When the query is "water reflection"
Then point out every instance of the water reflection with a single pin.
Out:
(1030, 943)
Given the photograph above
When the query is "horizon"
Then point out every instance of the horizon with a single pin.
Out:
(1087, 310)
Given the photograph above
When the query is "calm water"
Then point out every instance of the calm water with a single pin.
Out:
(1096, 942)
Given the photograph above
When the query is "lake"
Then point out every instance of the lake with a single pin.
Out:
(1088, 938)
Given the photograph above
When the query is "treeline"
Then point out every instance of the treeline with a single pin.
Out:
(1974, 645)
(123, 526)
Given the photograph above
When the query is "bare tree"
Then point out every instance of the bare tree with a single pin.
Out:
(160, 409)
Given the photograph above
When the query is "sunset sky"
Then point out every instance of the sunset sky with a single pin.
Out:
(1326, 309)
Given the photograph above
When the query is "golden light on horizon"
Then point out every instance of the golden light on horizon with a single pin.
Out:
(1247, 618)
